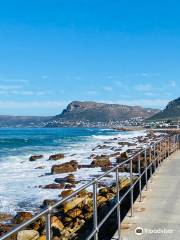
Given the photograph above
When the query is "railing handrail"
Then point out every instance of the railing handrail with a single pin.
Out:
(91, 183)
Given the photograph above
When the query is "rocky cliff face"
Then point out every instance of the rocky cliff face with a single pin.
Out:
(101, 112)
(171, 112)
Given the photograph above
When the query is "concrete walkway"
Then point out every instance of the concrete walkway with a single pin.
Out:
(159, 212)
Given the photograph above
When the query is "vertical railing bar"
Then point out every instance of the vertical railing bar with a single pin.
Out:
(95, 220)
(118, 206)
(139, 172)
(131, 178)
(48, 226)
(145, 158)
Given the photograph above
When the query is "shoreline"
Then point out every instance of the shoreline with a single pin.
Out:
(123, 149)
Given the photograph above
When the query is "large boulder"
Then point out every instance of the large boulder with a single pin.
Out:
(124, 156)
(65, 167)
(101, 161)
(56, 156)
(35, 157)
(28, 235)
(22, 217)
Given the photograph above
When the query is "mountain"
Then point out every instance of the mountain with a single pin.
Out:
(171, 112)
(23, 121)
(81, 113)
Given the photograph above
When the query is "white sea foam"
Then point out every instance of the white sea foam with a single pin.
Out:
(20, 180)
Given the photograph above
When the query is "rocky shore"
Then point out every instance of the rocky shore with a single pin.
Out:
(73, 215)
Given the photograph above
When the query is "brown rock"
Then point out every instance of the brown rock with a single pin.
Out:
(56, 223)
(66, 193)
(75, 212)
(28, 235)
(56, 156)
(5, 217)
(53, 186)
(43, 237)
(48, 202)
(73, 203)
(35, 157)
(22, 217)
(101, 161)
(124, 156)
(64, 167)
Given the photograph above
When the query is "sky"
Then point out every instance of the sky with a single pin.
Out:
(115, 51)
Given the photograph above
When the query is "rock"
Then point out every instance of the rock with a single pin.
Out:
(35, 157)
(101, 161)
(48, 203)
(56, 156)
(28, 235)
(40, 167)
(56, 223)
(5, 217)
(53, 186)
(101, 200)
(4, 228)
(64, 167)
(69, 179)
(73, 203)
(75, 212)
(124, 156)
(43, 237)
(66, 193)
(21, 217)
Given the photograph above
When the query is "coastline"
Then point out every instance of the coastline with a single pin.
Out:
(101, 158)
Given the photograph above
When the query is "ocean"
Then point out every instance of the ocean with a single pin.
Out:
(20, 179)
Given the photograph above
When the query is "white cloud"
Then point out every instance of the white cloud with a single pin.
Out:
(32, 104)
(10, 87)
(108, 88)
(44, 77)
(172, 84)
(15, 80)
(143, 88)
(91, 92)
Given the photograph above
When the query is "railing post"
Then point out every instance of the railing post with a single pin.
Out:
(95, 221)
(118, 206)
(139, 172)
(131, 178)
(145, 158)
(48, 226)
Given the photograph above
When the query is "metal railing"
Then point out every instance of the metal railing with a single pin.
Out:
(166, 146)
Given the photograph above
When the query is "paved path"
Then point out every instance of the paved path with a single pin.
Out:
(159, 212)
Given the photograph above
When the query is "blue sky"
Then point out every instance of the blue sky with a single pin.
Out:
(115, 51)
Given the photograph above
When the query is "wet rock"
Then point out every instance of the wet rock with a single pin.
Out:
(84, 166)
(48, 203)
(101, 161)
(64, 167)
(69, 179)
(4, 228)
(21, 217)
(66, 193)
(56, 223)
(75, 212)
(35, 157)
(43, 237)
(124, 156)
(56, 156)
(5, 217)
(73, 203)
(28, 235)
(40, 167)
(53, 186)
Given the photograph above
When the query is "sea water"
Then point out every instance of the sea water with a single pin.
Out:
(20, 179)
